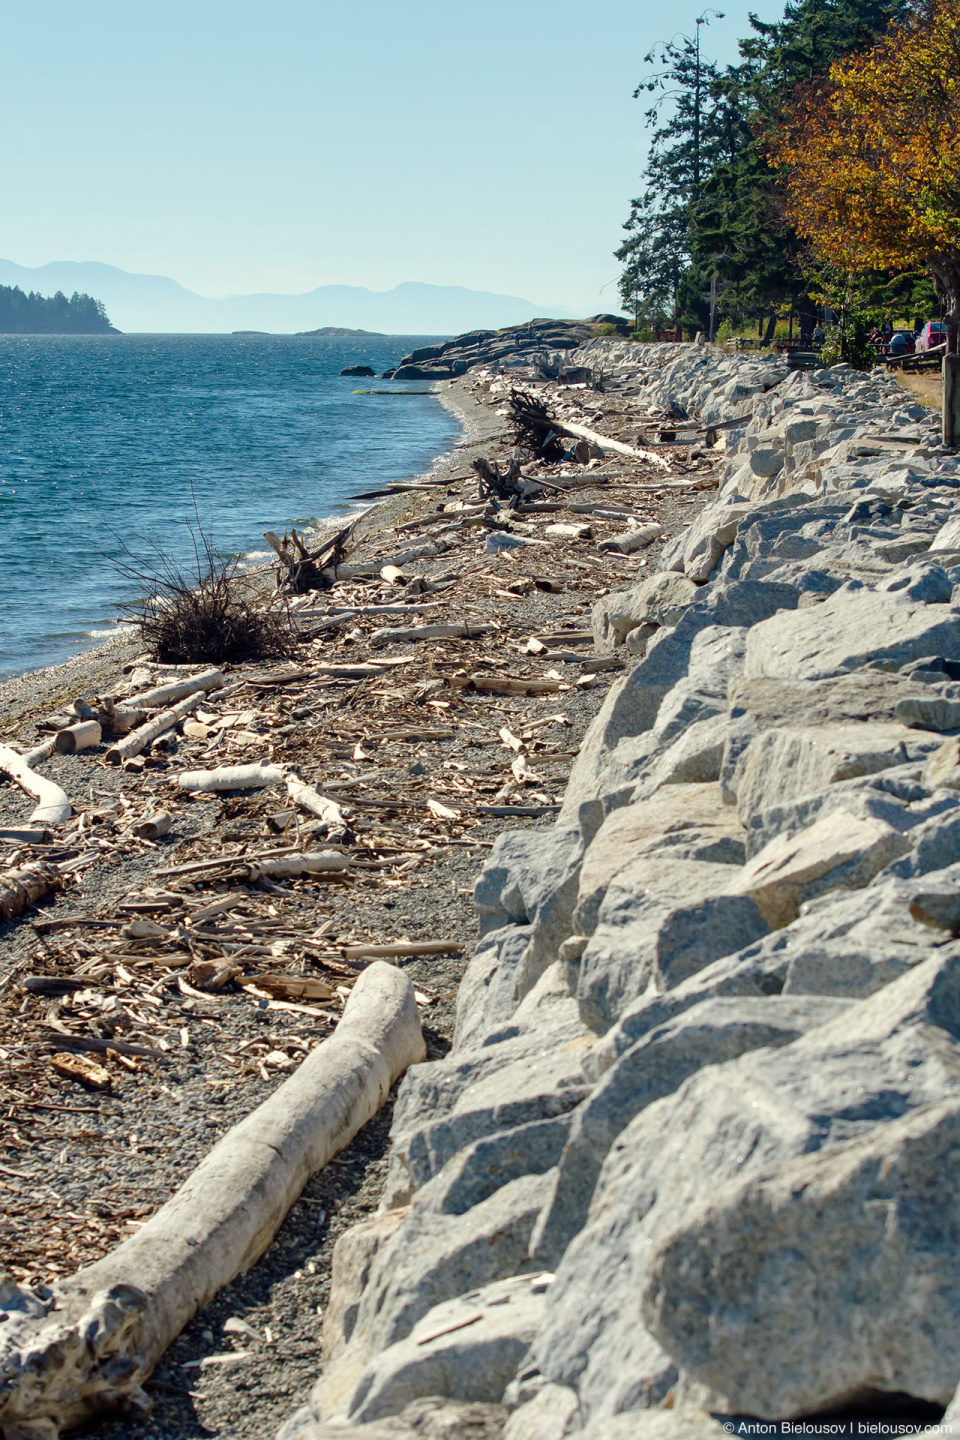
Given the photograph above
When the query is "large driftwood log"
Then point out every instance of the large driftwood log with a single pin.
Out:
(139, 739)
(54, 805)
(459, 631)
(233, 777)
(176, 690)
(95, 1341)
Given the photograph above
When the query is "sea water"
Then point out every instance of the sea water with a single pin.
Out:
(114, 447)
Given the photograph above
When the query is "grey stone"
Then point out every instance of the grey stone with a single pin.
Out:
(943, 767)
(948, 536)
(661, 919)
(432, 1418)
(927, 583)
(852, 628)
(692, 814)
(929, 712)
(493, 984)
(714, 1031)
(550, 1415)
(723, 1201)
(431, 1258)
(842, 849)
(683, 678)
(781, 764)
(658, 600)
(353, 1255)
(467, 1348)
(448, 1104)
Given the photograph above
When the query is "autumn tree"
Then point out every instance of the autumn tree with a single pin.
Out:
(870, 156)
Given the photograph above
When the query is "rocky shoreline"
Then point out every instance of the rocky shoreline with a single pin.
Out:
(687, 1169)
(83, 1168)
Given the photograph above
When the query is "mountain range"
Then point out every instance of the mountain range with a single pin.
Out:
(155, 303)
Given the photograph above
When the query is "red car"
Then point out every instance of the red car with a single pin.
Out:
(933, 333)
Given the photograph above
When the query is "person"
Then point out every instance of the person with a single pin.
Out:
(516, 338)
(818, 335)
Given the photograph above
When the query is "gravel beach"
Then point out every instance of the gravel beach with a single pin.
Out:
(79, 1170)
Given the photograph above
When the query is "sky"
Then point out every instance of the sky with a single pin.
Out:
(243, 147)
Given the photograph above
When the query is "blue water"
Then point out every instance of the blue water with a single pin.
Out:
(115, 436)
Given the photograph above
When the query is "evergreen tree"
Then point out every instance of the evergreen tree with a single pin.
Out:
(738, 229)
(691, 132)
(35, 314)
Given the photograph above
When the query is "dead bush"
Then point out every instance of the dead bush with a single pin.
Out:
(206, 613)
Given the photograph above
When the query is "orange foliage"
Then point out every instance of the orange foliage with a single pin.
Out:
(871, 156)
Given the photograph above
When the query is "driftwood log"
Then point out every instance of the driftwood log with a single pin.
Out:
(25, 886)
(175, 690)
(139, 739)
(92, 1344)
(54, 805)
(233, 777)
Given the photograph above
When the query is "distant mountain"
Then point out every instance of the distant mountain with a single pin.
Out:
(155, 303)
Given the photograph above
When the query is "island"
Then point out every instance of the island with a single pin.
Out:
(337, 332)
(35, 314)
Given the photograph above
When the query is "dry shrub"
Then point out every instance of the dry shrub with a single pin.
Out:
(209, 614)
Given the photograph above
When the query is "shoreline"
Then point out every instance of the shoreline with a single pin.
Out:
(48, 685)
(416, 757)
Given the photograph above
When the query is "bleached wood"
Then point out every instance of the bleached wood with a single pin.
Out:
(305, 797)
(54, 805)
(176, 690)
(140, 738)
(95, 1342)
(429, 632)
(583, 432)
(233, 777)
(82, 736)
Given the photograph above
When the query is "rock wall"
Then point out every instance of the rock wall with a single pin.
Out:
(692, 1154)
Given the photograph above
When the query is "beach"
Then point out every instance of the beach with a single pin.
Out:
(156, 1122)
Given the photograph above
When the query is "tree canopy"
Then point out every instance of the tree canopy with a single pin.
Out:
(724, 219)
(36, 314)
(870, 154)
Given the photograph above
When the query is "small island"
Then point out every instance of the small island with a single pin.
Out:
(35, 314)
(337, 332)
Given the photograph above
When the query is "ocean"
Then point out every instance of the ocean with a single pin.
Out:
(108, 442)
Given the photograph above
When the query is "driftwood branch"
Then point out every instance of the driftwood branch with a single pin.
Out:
(176, 690)
(139, 739)
(25, 886)
(54, 805)
(94, 1342)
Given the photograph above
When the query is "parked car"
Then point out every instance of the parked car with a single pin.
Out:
(933, 333)
(901, 343)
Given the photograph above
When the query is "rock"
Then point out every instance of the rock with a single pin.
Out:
(361, 370)
(467, 1348)
(448, 1104)
(658, 600)
(710, 1033)
(432, 1418)
(720, 1203)
(353, 1255)
(842, 849)
(943, 767)
(713, 532)
(853, 628)
(493, 985)
(550, 1415)
(431, 1258)
(703, 657)
(505, 540)
(781, 764)
(948, 536)
(660, 920)
(691, 813)
(929, 712)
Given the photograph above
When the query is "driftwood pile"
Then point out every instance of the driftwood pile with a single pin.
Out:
(418, 638)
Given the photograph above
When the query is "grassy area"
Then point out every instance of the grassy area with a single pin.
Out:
(925, 387)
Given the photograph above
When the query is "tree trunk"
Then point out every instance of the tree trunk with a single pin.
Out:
(771, 329)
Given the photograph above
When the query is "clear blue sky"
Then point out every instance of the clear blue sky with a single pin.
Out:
(243, 147)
